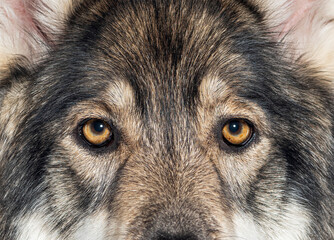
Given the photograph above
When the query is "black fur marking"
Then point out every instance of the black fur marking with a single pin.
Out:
(252, 9)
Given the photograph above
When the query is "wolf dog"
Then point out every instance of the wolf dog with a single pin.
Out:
(166, 120)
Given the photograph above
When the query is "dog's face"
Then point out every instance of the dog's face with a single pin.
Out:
(154, 120)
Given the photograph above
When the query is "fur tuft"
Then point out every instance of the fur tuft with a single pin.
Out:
(29, 27)
(306, 27)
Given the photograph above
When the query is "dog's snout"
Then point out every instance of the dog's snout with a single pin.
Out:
(177, 236)
(177, 224)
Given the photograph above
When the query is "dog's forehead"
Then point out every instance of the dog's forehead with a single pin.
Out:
(162, 58)
(166, 51)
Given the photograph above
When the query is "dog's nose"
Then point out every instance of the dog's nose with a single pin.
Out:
(169, 236)
(177, 230)
(177, 223)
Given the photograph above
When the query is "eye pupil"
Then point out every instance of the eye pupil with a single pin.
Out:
(234, 126)
(98, 126)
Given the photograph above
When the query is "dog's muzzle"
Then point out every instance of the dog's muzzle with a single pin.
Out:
(178, 224)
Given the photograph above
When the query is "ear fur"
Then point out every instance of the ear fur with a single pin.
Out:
(29, 27)
(306, 27)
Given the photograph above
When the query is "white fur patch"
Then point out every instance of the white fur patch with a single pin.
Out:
(290, 224)
(246, 228)
(94, 227)
(35, 227)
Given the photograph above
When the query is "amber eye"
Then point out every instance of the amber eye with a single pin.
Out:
(237, 132)
(97, 132)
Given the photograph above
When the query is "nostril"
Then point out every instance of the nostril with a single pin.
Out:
(167, 236)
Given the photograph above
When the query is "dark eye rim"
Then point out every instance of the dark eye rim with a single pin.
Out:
(111, 144)
(226, 145)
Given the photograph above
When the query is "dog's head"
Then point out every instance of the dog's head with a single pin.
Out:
(156, 120)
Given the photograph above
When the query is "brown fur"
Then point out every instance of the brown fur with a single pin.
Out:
(166, 76)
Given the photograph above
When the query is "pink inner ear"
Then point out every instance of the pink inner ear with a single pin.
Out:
(20, 14)
(299, 10)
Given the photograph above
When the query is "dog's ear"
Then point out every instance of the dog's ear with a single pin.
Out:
(306, 28)
(29, 27)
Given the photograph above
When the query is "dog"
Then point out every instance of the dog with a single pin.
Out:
(166, 120)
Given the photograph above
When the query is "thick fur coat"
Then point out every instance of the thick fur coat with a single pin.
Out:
(166, 120)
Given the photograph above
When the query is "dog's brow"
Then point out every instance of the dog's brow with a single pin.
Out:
(213, 88)
(120, 94)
